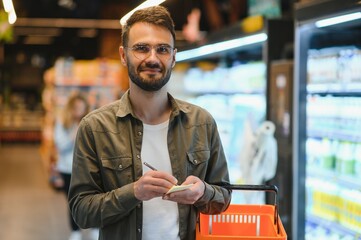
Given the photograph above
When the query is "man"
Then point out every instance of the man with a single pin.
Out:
(111, 188)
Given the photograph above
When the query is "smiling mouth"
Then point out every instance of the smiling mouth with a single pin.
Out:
(151, 71)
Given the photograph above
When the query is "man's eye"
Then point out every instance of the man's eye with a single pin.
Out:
(142, 48)
(163, 49)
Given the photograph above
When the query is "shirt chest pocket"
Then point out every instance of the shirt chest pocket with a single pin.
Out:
(197, 163)
(118, 171)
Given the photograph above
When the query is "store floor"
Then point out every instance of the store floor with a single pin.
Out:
(29, 208)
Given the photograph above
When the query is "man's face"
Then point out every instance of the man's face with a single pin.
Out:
(149, 56)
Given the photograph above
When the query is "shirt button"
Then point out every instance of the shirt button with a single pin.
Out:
(120, 166)
(139, 230)
(138, 156)
(139, 133)
(195, 161)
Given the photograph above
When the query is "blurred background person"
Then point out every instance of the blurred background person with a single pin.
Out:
(75, 109)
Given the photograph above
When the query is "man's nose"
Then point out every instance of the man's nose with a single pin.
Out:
(153, 53)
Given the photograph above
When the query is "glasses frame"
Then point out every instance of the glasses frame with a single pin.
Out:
(164, 57)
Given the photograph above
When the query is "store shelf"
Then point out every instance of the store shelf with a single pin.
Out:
(335, 88)
(327, 101)
(20, 126)
(333, 134)
(85, 86)
(247, 36)
(332, 227)
(223, 80)
(226, 76)
(347, 181)
(196, 92)
(307, 10)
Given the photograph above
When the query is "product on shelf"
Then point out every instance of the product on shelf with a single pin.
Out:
(334, 69)
(345, 158)
(350, 211)
(239, 78)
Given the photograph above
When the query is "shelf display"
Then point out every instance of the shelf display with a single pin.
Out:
(229, 75)
(20, 125)
(328, 100)
(227, 79)
(334, 69)
(236, 101)
(20, 120)
(99, 79)
(231, 99)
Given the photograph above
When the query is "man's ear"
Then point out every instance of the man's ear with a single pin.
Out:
(174, 58)
(122, 56)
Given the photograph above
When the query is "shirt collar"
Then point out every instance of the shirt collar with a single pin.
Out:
(125, 106)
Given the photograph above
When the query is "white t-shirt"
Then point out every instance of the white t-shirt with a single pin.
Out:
(160, 217)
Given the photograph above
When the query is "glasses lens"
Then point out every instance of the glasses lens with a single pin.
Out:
(163, 50)
(144, 51)
(141, 51)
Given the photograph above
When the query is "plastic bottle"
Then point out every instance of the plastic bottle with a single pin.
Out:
(327, 154)
(347, 161)
(357, 159)
(345, 158)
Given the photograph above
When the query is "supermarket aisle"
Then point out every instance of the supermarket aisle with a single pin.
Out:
(29, 208)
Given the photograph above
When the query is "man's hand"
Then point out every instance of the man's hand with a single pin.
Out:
(190, 195)
(153, 184)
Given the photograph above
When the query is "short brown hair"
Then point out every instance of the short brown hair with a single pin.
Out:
(157, 15)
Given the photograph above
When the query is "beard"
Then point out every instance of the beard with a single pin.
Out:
(152, 83)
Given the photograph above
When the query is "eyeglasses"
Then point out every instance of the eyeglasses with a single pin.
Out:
(143, 51)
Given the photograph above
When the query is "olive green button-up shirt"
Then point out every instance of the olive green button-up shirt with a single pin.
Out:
(107, 163)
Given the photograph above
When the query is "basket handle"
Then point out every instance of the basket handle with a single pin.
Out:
(266, 188)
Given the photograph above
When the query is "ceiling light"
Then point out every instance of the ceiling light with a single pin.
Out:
(220, 47)
(12, 17)
(339, 19)
(8, 5)
(9, 8)
(148, 3)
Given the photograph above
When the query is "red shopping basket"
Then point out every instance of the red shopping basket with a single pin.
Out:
(245, 222)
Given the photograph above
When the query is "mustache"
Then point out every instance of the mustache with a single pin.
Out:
(152, 65)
